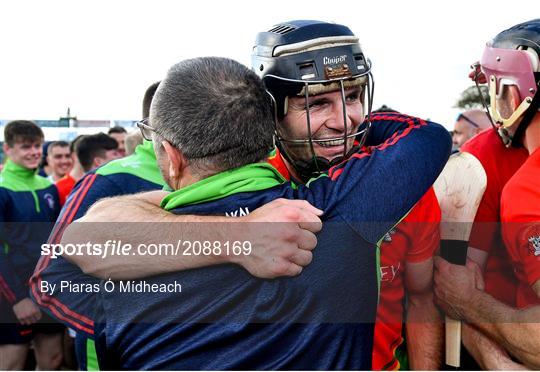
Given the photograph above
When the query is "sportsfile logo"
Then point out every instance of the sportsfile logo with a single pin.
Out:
(334, 60)
(534, 245)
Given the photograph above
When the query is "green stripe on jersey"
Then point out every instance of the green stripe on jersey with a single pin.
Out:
(91, 356)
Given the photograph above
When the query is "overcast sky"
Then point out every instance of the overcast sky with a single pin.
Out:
(97, 57)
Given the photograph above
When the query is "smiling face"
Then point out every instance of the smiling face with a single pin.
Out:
(327, 123)
(27, 154)
(60, 161)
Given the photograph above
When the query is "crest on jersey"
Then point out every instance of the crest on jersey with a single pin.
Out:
(388, 236)
(50, 200)
(534, 245)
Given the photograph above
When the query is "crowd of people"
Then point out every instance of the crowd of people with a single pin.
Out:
(307, 222)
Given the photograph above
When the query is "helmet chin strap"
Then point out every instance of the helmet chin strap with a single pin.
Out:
(316, 165)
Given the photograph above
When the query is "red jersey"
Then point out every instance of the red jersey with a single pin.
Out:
(520, 214)
(414, 240)
(488, 148)
(64, 186)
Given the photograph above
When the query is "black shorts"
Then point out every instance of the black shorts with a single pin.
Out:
(12, 332)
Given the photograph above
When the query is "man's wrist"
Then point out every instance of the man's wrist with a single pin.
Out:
(472, 309)
(225, 232)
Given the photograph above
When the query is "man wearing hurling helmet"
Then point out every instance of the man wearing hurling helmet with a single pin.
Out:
(511, 67)
(320, 81)
(321, 85)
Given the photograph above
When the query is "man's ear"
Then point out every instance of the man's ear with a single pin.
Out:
(177, 161)
(6, 148)
(98, 161)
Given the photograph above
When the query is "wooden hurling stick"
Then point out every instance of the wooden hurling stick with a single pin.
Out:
(459, 189)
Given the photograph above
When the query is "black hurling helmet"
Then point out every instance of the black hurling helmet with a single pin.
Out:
(513, 58)
(303, 58)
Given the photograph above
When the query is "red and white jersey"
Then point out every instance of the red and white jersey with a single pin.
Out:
(499, 163)
(520, 214)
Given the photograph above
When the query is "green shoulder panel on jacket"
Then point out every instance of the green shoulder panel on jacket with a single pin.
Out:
(142, 164)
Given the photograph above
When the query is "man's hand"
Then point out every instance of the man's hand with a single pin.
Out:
(455, 286)
(27, 312)
(282, 235)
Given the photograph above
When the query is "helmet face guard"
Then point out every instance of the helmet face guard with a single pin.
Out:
(352, 138)
(304, 66)
(508, 67)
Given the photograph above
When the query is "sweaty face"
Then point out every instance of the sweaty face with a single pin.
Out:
(461, 133)
(27, 154)
(60, 160)
(327, 123)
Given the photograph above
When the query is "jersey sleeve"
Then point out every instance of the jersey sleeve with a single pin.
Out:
(422, 228)
(72, 300)
(87, 191)
(520, 214)
(525, 240)
(11, 286)
(376, 187)
(74, 309)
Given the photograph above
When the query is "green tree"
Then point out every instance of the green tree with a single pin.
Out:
(470, 98)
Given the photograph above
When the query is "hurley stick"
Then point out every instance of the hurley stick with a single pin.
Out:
(459, 189)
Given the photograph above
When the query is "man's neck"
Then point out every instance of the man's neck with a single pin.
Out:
(55, 176)
(532, 135)
(292, 172)
(77, 172)
(187, 179)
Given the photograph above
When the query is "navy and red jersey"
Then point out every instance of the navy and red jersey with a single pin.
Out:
(135, 173)
(520, 214)
(323, 319)
(488, 148)
(28, 208)
(414, 240)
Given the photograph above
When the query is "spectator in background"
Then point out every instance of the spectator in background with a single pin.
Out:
(44, 168)
(133, 140)
(468, 124)
(119, 134)
(28, 207)
(95, 150)
(66, 183)
(59, 160)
